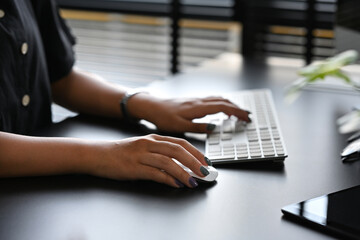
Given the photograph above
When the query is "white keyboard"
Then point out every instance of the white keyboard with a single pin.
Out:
(235, 141)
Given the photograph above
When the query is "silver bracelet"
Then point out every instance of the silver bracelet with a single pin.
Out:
(123, 106)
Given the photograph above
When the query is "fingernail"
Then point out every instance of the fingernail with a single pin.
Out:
(248, 116)
(204, 171)
(210, 127)
(193, 182)
(180, 184)
(208, 161)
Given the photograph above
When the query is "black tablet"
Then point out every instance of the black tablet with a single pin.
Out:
(337, 212)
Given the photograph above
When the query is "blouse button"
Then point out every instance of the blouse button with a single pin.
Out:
(24, 48)
(2, 13)
(25, 100)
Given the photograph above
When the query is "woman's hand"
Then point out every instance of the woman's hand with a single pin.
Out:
(176, 115)
(149, 158)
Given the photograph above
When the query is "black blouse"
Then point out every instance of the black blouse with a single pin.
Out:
(36, 49)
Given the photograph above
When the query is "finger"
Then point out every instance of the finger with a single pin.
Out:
(219, 100)
(185, 144)
(215, 99)
(189, 126)
(159, 176)
(179, 153)
(171, 168)
(216, 107)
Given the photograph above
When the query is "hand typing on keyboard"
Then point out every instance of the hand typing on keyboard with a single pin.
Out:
(177, 115)
(233, 140)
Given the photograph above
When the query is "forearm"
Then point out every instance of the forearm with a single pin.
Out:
(88, 93)
(34, 156)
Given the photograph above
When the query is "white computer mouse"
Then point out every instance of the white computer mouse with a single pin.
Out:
(213, 173)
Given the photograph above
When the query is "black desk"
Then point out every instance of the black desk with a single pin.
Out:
(245, 202)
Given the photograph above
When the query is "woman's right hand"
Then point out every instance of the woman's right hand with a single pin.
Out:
(150, 158)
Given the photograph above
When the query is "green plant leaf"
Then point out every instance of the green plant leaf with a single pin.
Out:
(320, 70)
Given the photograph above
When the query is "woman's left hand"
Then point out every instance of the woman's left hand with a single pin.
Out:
(177, 115)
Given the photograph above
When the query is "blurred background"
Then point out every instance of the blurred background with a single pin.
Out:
(134, 42)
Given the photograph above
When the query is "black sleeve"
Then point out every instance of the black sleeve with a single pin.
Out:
(57, 39)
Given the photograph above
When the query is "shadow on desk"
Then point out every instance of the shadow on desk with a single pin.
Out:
(100, 128)
(269, 167)
(86, 126)
(84, 183)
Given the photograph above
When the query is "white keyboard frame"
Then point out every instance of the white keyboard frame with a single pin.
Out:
(237, 142)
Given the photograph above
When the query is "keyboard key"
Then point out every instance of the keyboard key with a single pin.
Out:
(223, 157)
(255, 154)
(252, 136)
(268, 149)
(228, 152)
(226, 137)
(214, 135)
(214, 141)
(214, 148)
(269, 153)
(266, 144)
(253, 140)
(251, 149)
(228, 126)
(251, 126)
(265, 135)
(241, 145)
(214, 157)
(228, 145)
(279, 148)
(256, 145)
(251, 133)
(242, 156)
(213, 154)
(229, 155)
(278, 143)
(240, 126)
(242, 149)
(276, 134)
(280, 152)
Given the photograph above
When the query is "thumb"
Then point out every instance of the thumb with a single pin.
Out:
(199, 127)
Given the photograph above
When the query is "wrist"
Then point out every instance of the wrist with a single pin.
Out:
(126, 115)
(91, 154)
(141, 106)
(78, 156)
